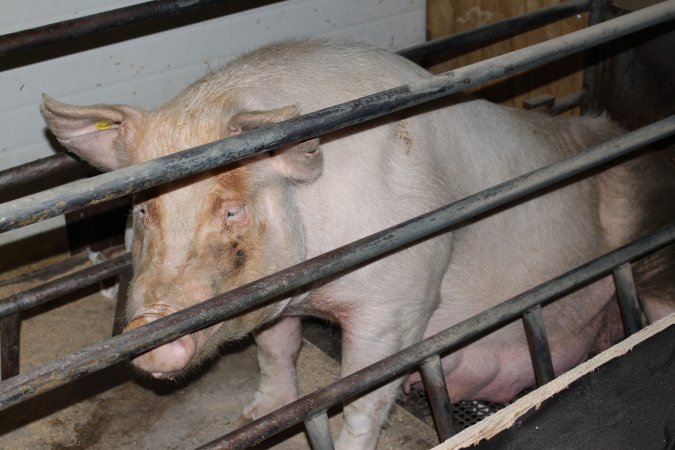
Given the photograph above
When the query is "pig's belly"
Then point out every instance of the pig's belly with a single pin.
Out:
(498, 367)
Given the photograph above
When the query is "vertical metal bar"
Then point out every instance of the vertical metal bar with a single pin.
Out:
(318, 431)
(628, 302)
(533, 320)
(434, 381)
(123, 280)
(596, 12)
(10, 328)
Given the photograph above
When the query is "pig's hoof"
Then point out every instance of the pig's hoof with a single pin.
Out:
(263, 404)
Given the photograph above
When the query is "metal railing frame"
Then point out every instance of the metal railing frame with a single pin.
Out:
(27, 385)
(316, 404)
(52, 165)
(454, 44)
(81, 193)
(257, 293)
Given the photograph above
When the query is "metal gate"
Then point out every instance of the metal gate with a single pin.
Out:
(424, 355)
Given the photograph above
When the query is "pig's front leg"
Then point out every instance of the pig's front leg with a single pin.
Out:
(365, 416)
(278, 349)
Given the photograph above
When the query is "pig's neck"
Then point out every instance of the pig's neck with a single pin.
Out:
(285, 236)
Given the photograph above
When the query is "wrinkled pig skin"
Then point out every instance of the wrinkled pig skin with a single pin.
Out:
(201, 236)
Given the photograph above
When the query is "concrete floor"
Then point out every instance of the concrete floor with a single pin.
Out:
(115, 409)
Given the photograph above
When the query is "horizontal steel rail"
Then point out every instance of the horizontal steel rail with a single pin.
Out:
(21, 41)
(468, 40)
(446, 341)
(227, 305)
(51, 290)
(81, 193)
(457, 43)
(37, 169)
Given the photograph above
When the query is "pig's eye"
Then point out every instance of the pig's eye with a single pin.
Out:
(235, 214)
(140, 212)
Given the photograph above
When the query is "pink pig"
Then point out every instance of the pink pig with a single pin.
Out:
(204, 235)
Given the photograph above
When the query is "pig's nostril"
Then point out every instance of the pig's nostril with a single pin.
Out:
(170, 357)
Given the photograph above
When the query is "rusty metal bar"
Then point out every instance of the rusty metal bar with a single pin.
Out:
(535, 330)
(10, 331)
(318, 431)
(280, 284)
(434, 382)
(79, 194)
(628, 301)
(446, 341)
(21, 41)
(466, 41)
(64, 285)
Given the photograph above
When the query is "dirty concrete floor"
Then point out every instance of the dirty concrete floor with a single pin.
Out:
(116, 409)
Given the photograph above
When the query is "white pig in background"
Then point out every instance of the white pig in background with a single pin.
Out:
(207, 234)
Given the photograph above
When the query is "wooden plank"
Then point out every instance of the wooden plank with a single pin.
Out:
(558, 79)
(647, 386)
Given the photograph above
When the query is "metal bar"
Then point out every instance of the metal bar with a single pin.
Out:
(10, 330)
(434, 381)
(465, 41)
(124, 181)
(568, 102)
(318, 431)
(592, 62)
(96, 23)
(444, 342)
(64, 285)
(537, 341)
(47, 272)
(40, 168)
(123, 280)
(628, 301)
(264, 290)
(456, 43)
(540, 101)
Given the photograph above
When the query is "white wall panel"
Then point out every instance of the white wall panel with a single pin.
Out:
(148, 70)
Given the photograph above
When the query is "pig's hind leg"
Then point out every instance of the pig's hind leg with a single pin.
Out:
(278, 347)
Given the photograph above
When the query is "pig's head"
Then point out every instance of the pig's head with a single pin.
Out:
(204, 235)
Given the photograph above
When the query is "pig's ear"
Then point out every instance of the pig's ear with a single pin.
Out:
(89, 131)
(301, 162)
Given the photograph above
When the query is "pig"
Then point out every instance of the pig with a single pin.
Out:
(207, 234)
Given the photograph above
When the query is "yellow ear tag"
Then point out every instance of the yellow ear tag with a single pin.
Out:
(103, 125)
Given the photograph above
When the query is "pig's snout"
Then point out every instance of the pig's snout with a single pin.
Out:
(174, 356)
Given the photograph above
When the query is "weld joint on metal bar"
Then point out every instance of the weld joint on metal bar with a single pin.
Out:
(628, 302)
(537, 341)
(441, 406)
(318, 431)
